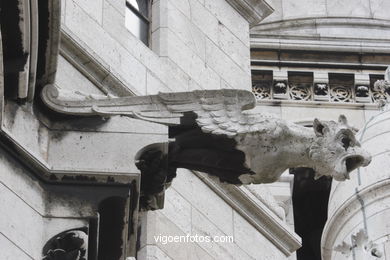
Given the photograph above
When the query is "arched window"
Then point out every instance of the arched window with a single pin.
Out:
(137, 19)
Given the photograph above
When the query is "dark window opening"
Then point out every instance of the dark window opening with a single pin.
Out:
(301, 78)
(111, 228)
(310, 203)
(137, 19)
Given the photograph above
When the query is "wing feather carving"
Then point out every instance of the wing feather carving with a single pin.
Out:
(221, 112)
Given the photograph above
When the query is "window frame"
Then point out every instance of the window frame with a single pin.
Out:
(142, 17)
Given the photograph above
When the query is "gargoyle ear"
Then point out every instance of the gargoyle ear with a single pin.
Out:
(343, 119)
(319, 128)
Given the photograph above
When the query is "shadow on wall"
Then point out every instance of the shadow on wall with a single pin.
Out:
(310, 204)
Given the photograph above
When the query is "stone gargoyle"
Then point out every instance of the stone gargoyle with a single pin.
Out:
(215, 131)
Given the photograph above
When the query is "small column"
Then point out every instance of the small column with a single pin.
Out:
(321, 86)
(362, 88)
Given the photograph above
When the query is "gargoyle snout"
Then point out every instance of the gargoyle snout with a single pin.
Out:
(367, 159)
(365, 156)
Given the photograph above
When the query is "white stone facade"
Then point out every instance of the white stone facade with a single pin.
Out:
(194, 44)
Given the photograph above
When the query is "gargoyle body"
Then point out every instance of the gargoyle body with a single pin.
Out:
(215, 131)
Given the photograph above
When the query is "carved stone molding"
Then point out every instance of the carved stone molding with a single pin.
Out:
(361, 247)
(283, 90)
(254, 11)
(68, 245)
(260, 215)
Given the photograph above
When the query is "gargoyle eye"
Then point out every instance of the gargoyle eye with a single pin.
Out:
(346, 142)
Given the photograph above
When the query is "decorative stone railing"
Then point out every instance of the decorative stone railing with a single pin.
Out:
(322, 92)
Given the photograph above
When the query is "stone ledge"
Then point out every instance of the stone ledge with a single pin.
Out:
(254, 11)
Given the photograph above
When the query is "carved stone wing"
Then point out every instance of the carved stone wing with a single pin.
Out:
(216, 111)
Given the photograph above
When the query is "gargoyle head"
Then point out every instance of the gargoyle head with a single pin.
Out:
(336, 150)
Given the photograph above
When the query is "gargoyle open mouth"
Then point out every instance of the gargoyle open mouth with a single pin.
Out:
(353, 162)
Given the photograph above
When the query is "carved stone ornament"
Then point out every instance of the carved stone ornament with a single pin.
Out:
(68, 245)
(361, 246)
(214, 131)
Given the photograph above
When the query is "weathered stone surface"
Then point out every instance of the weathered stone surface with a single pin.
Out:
(72, 79)
(226, 15)
(14, 225)
(11, 251)
(115, 55)
(178, 208)
(151, 252)
(253, 243)
(192, 189)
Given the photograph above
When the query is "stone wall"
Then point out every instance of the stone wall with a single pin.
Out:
(195, 44)
(192, 208)
(27, 221)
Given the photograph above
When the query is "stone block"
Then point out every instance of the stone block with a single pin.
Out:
(16, 219)
(226, 67)
(94, 8)
(234, 48)
(23, 126)
(204, 20)
(69, 78)
(159, 42)
(175, 250)
(159, 14)
(120, 6)
(186, 31)
(204, 200)
(344, 8)
(224, 250)
(320, 77)
(110, 152)
(253, 242)
(103, 45)
(228, 16)
(151, 252)
(312, 8)
(379, 9)
(10, 251)
(177, 208)
(18, 180)
(191, 63)
(183, 6)
(173, 75)
(154, 85)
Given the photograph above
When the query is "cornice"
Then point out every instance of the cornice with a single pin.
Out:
(254, 11)
(257, 213)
